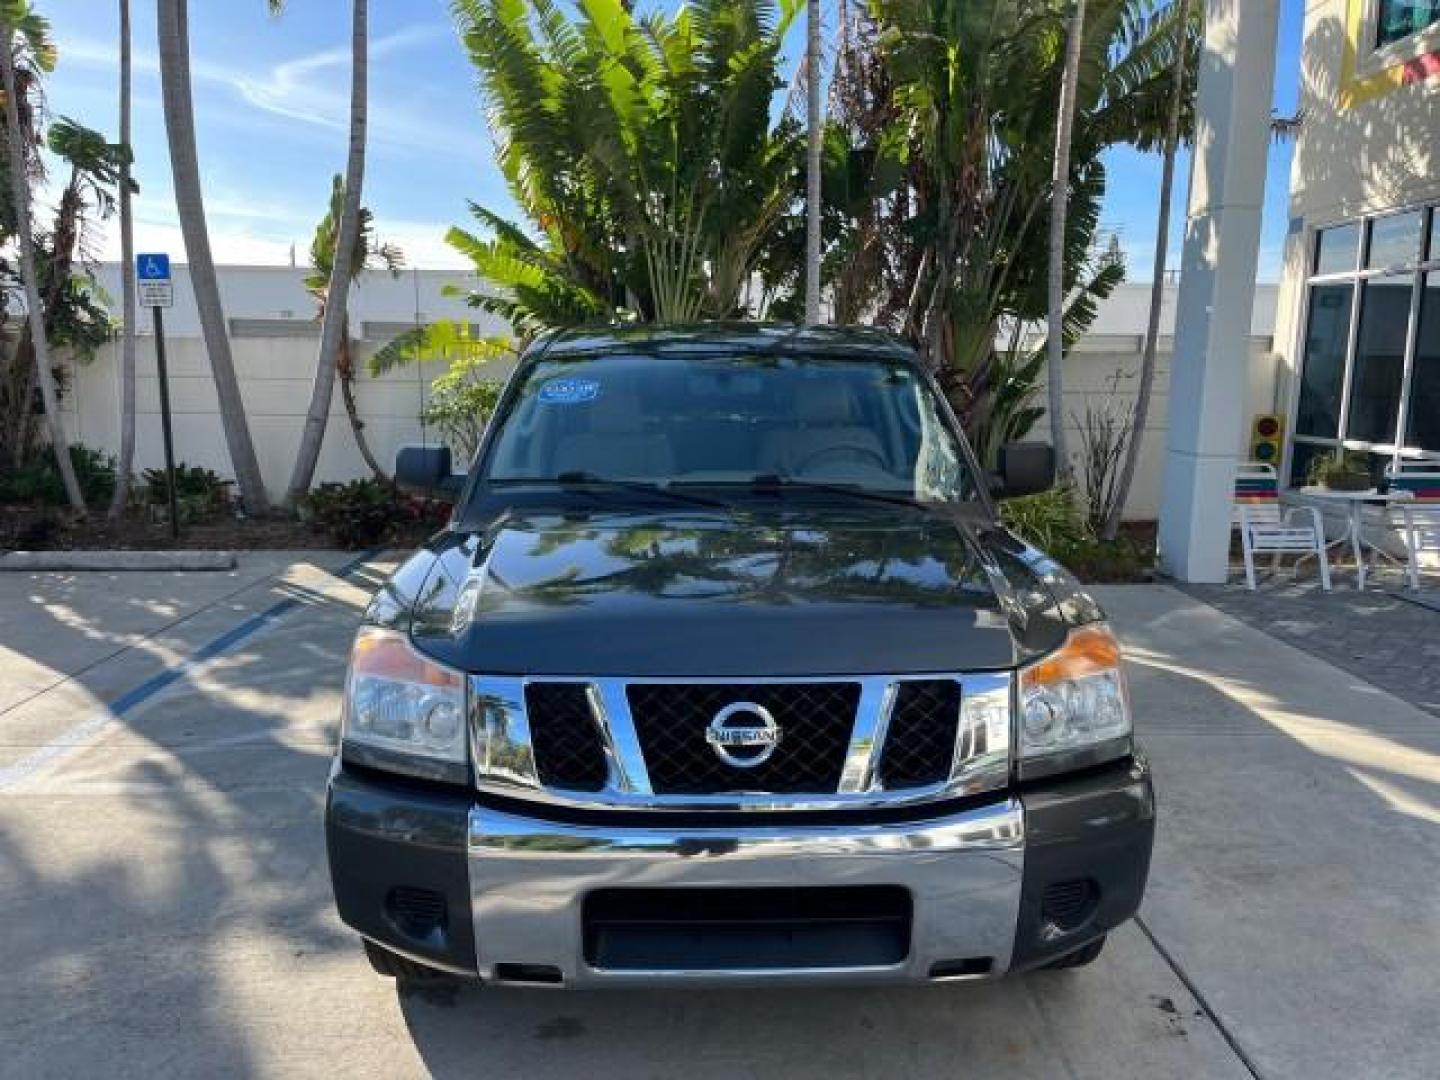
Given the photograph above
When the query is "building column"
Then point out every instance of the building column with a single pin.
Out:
(1208, 374)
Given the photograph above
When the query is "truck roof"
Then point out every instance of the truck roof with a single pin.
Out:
(842, 342)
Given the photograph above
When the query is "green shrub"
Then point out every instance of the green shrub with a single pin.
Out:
(1120, 560)
(460, 405)
(38, 480)
(359, 514)
(200, 493)
(1051, 520)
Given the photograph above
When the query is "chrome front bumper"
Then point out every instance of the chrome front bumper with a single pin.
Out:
(509, 889)
(529, 878)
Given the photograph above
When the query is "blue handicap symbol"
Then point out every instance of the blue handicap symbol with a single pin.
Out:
(152, 267)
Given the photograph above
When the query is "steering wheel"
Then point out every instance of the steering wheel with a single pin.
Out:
(851, 450)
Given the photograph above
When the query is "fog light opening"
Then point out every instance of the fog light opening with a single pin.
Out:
(1068, 905)
(421, 914)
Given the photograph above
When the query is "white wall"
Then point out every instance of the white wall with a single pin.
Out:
(275, 376)
(275, 379)
(1090, 383)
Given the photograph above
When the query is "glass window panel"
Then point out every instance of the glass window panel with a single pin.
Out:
(1336, 249)
(1394, 240)
(1379, 359)
(1401, 18)
(1301, 455)
(1424, 423)
(1434, 234)
(1323, 370)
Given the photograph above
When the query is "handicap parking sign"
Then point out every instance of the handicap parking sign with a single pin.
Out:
(152, 267)
(152, 271)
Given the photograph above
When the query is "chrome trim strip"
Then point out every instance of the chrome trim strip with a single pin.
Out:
(628, 785)
(999, 826)
(500, 746)
(872, 720)
(628, 772)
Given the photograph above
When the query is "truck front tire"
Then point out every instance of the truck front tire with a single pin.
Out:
(401, 968)
(1086, 954)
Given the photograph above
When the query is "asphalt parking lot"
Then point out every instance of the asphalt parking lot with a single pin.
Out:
(164, 740)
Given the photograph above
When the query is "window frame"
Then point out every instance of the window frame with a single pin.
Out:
(1374, 58)
(1426, 261)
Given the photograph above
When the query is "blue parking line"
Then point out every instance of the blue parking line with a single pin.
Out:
(226, 641)
(97, 722)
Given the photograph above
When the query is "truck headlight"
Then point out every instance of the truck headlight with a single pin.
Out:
(402, 709)
(1074, 704)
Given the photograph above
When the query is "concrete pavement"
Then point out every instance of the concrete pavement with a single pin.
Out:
(167, 909)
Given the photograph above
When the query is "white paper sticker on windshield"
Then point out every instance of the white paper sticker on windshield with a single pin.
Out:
(569, 391)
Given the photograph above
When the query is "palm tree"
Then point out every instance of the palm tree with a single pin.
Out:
(16, 15)
(1059, 199)
(642, 152)
(331, 277)
(174, 44)
(815, 137)
(1141, 414)
(334, 327)
(127, 284)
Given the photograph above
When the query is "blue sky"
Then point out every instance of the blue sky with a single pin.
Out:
(271, 99)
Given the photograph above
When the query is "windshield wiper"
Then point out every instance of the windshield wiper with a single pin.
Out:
(774, 483)
(578, 478)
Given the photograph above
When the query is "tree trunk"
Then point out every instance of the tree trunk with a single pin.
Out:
(174, 43)
(127, 283)
(345, 366)
(25, 368)
(1157, 282)
(35, 313)
(815, 136)
(342, 269)
(1059, 203)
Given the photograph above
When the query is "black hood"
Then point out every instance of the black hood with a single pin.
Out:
(806, 591)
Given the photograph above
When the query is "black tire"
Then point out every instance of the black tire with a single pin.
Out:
(1086, 954)
(394, 966)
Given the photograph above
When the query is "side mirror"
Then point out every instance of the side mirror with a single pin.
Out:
(1026, 469)
(426, 470)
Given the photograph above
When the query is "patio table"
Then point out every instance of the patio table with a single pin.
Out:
(1354, 503)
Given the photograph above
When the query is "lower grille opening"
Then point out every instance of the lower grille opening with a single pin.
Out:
(540, 974)
(969, 968)
(417, 913)
(762, 929)
(1068, 904)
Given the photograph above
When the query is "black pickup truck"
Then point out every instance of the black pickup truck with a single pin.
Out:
(724, 671)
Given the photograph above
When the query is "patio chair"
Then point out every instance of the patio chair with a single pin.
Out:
(1267, 530)
(1417, 513)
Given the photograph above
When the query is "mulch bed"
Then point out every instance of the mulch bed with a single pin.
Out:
(27, 529)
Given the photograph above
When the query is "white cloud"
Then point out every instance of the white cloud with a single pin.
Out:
(304, 90)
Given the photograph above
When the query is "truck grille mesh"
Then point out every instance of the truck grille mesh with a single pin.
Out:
(920, 745)
(568, 752)
(815, 718)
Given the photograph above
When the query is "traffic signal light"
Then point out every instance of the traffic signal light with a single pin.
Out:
(1265, 439)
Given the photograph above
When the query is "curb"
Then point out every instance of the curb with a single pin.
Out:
(117, 560)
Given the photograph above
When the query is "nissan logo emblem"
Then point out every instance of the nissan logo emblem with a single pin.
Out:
(743, 726)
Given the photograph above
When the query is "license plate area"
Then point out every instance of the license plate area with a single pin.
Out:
(757, 929)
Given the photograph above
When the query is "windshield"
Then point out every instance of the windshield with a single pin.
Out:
(872, 425)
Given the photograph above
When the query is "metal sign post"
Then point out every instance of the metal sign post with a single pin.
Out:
(157, 292)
